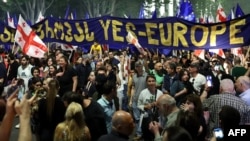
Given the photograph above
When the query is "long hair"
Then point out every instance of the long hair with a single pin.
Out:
(74, 127)
(50, 97)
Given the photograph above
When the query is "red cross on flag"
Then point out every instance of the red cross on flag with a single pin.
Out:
(200, 53)
(219, 52)
(133, 40)
(10, 21)
(221, 15)
(27, 39)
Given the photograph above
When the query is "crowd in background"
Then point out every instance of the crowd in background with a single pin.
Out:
(106, 95)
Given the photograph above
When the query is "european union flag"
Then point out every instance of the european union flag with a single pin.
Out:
(186, 11)
(154, 15)
(141, 14)
(66, 13)
(239, 12)
(165, 51)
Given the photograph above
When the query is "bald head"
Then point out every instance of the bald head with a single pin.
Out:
(166, 99)
(242, 84)
(226, 85)
(123, 122)
(245, 80)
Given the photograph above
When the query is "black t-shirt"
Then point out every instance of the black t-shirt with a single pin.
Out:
(95, 120)
(65, 81)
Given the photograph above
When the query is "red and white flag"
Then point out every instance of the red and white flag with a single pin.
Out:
(10, 21)
(236, 51)
(221, 15)
(40, 17)
(132, 40)
(68, 47)
(27, 39)
(200, 53)
(219, 52)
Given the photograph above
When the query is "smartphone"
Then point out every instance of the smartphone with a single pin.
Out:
(21, 92)
(209, 81)
(218, 133)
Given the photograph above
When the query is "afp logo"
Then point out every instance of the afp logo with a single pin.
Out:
(237, 132)
(241, 133)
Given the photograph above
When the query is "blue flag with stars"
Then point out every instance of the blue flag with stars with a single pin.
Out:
(186, 11)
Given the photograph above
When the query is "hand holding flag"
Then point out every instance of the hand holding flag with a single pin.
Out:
(30, 43)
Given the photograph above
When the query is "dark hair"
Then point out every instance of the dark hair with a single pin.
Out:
(229, 117)
(197, 104)
(108, 87)
(12, 56)
(150, 76)
(33, 69)
(52, 59)
(102, 68)
(172, 66)
(176, 133)
(189, 121)
(182, 73)
(26, 57)
(72, 97)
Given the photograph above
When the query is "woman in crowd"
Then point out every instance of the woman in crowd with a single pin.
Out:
(182, 87)
(90, 88)
(94, 114)
(74, 127)
(50, 61)
(52, 71)
(193, 104)
(66, 76)
(51, 111)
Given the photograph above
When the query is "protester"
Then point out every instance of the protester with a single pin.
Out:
(94, 114)
(242, 87)
(74, 127)
(226, 97)
(51, 111)
(138, 84)
(107, 102)
(147, 105)
(122, 127)
(66, 76)
(168, 112)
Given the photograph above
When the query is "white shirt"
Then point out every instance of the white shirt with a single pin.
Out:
(245, 96)
(198, 81)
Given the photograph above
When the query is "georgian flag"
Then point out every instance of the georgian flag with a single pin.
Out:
(132, 40)
(10, 21)
(27, 39)
(40, 17)
(68, 47)
(221, 15)
(200, 53)
(219, 52)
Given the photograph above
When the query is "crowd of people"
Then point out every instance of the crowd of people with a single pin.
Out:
(118, 95)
